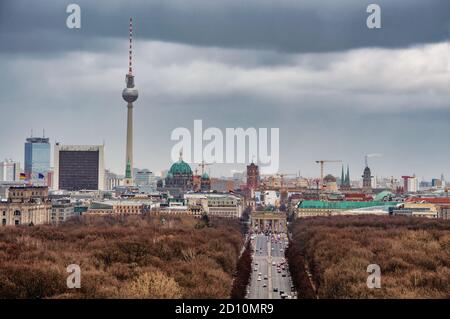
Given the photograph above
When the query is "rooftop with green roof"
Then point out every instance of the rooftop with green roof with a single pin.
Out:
(180, 167)
(317, 204)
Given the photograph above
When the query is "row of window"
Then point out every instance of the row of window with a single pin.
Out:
(14, 194)
(16, 222)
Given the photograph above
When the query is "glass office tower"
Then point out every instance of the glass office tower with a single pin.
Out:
(37, 157)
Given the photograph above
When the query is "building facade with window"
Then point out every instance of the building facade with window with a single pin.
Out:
(62, 209)
(26, 205)
(214, 205)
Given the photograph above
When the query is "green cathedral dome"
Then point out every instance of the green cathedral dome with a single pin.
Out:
(180, 167)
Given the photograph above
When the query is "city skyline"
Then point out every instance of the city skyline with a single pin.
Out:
(237, 152)
(362, 93)
(354, 176)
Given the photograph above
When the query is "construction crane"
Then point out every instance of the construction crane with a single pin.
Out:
(202, 165)
(322, 162)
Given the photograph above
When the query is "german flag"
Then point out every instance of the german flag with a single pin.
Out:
(23, 176)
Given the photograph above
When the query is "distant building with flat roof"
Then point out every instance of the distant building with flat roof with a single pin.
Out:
(417, 210)
(308, 208)
(214, 204)
(145, 180)
(121, 207)
(9, 171)
(62, 209)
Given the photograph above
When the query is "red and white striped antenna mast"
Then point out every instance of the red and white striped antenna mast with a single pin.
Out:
(130, 58)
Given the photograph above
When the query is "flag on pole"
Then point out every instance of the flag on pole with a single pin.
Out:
(23, 176)
(41, 176)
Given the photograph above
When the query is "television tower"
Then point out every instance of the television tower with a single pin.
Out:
(130, 95)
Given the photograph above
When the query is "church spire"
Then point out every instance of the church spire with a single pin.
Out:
(342, 176)
(128, 171)
(347, 177)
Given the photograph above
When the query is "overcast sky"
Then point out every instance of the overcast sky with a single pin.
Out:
(334, 88)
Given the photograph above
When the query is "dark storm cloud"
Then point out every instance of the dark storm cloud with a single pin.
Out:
(285, 25)
(249, 63)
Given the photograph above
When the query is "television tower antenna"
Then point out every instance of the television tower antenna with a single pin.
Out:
(130, 56)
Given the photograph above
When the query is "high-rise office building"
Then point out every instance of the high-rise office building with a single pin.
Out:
(79, 167)
(413, 184)
(9, 171)
(37, 157)
(410, 184)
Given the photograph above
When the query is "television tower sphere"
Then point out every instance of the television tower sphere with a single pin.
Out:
(130, 94)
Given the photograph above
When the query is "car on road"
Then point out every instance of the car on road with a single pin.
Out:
(259, 274)
(283, 275)
(275, 289)
(265, 277)
(264, 286)
(259, 279)
(274, 263)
